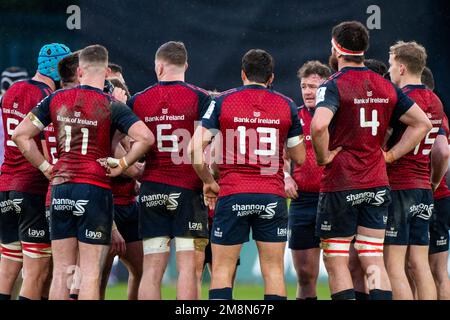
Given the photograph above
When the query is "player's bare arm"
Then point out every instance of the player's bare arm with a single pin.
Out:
(289, 183)
(418, 126)
(202, 137)
(440, 154)
(24, 138)
(321, 138)
(296, 150)
(143, 140)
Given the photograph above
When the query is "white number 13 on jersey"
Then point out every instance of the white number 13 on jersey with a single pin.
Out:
(374, 123)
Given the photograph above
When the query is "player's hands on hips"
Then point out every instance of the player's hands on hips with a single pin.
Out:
(120, 94)
(118, 245)
(48, 172)
(388, 156)
(329, 157)
(210, 192)
(113, 169)
(290, 187)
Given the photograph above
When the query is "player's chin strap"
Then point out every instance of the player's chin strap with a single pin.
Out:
(345, 52)
(369, 246)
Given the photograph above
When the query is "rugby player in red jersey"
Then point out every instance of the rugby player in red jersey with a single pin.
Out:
(411, 180)
(353, 111)
(170, 199)
(24, 229)
(81, 211)
(303, 188)
(254, 123)
(440, 219)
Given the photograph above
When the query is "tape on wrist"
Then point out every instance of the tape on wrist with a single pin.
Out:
(123, 163)
(112, 162)
(44, 166)
(286, 174)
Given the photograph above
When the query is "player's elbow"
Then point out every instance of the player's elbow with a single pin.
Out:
(18, 137)
(318, 127)
(147, 138)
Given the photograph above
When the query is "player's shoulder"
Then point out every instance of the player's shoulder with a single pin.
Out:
(283, 97)
(195, 88)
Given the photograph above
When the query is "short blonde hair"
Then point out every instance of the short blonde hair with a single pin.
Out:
(411, 54)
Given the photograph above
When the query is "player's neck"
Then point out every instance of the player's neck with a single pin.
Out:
(172, 77)
(93, 81)
(409, 80)
(41, 78)
(249, 83)
(344, 64)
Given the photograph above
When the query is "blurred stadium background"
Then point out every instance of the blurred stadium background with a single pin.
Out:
(217, 34)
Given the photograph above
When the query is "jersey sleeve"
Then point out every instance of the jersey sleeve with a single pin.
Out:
(131, 101)
(40, 115)
(122, 117)
(404, 103)
(210, 119)
(296, 128)
(327, 96)
(204, 100)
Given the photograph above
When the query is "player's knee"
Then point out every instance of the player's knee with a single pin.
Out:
(156, 245)
(37, 250)
(12, 251)
(306, 275)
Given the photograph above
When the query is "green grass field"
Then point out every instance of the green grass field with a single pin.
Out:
(240, 292)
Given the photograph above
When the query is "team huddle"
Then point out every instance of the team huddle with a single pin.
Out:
(91, 171)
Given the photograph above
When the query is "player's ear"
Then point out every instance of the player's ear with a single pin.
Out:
(272, 77)
(79, 72)
(243, 76)
(108, 72)
(186, 66)
(402, 69)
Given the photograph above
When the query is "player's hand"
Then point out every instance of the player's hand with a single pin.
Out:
(113, 169)
(329, 157)
(210, 192)
(290, 187)
(48, 172)
(388, 156)
(118, 245)
(120, 94)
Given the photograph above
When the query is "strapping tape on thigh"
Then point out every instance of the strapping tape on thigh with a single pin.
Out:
(335, 247)
(368, 246)
(36, 250)
(12, 251)
(156, 245)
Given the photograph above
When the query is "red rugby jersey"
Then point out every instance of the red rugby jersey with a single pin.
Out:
(442, 190)
(255, 123)
(17, 173)
(84, 118)
(51, 146)
(170, 109)
(363, 103)
(308, 175)
(412, 171)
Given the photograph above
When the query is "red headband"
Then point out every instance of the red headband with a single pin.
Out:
(345, 52)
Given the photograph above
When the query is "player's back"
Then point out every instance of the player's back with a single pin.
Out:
(81, 117)
(254, 122)
(170, 109)
(366, 102)
(412, 171)
(17, 172)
